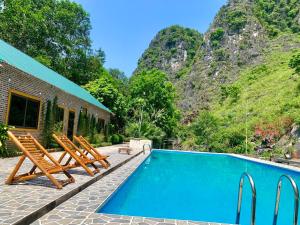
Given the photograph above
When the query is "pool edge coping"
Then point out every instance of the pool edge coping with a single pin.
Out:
(248, 158)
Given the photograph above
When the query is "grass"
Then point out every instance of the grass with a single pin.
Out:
(268, 92)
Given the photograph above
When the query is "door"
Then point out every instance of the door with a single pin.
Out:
(71, 120)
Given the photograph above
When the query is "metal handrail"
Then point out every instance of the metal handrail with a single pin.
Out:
(296, 198)
(253, 204)
(150, 148)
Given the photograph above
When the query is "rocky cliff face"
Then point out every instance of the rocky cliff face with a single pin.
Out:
(238, 37)
(235, 39)
(172, 50)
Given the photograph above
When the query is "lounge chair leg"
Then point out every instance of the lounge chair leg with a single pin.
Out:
(33, 169)
(71, 178)
(103, 163)
(108, 163)
(61, 157)
(53, 180)
(14, 172)
(96, 168)
(68, 161)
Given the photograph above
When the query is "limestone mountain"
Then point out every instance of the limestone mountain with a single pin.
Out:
(241, 35)
(173, 50)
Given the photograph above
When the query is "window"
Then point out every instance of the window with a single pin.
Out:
(23, 112)
(60, 114)
(100, 125)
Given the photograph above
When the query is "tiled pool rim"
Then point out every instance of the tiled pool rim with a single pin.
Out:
(55, 203)
(248, 158)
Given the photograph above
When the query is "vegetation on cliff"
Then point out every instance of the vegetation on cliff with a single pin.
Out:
(173, 50)
(241, 93)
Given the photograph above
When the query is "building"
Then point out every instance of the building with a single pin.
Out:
(27, 85)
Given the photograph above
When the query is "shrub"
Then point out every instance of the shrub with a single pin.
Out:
(269, 132)
(295, 63)
(205, 128)
(216, 37)
(3, 138)
(236, 20)
(114, 139)
(230, 91)
(146, 130)
(121, 138)
(221, 54)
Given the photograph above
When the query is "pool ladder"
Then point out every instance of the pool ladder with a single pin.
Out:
(296, 198)
(144, 150)
(253, 202)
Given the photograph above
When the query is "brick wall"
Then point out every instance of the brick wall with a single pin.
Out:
(14, 79)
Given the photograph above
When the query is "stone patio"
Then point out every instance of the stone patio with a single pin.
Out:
(39, 195)
(40, 201)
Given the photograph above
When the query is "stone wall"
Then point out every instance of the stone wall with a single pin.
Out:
(12, 79)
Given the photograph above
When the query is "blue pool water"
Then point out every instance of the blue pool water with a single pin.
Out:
(201, 187)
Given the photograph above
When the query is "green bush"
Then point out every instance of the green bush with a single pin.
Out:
(216, 37)
(114, 139)
(146, 130)
(236, 20)
(121, 138)
(98, 139)
(295, 63)
(221, 54)
(3, 138)
(230, 91)
(205, 128)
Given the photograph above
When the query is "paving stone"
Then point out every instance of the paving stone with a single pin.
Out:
(120, 221)
(98, 220)
(54, 217)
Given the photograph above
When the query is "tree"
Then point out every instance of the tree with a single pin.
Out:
(57, 33)
(105, 89)
(295, 63)
(205, 128)
(121, 79)
(118, 74)
(159, 96)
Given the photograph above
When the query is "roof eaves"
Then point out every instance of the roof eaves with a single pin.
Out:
(102, 107)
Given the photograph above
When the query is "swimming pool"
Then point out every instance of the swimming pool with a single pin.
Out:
(201, 187)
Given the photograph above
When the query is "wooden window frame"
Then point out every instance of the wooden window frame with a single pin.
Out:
(65, 110)
(27, 96)
(74, 130)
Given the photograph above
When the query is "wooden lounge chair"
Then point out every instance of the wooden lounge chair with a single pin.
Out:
(127, 150)
(36, 153)
(89, 149)
(75, 153)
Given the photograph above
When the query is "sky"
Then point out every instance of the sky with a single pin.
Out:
(125, 28)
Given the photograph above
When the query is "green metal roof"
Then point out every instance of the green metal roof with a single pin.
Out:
(21, 61)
